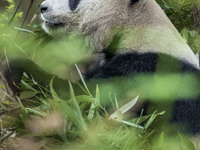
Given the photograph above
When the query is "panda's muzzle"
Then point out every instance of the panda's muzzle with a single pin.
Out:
(44, 10)
(53, 24)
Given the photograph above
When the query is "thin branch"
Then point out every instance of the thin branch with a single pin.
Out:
(6, 137)
(2, 60)
(13, 16)
(26, 16)
(5, 83)
(27, 13)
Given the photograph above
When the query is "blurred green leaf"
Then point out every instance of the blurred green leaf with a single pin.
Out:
(152, 118)
(27, 94)
(186, 142)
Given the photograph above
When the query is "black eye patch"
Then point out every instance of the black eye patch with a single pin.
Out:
(73, 4)
(133, 1)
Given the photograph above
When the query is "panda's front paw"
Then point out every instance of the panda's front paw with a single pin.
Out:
(15, 70)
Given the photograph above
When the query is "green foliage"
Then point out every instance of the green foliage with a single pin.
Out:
(70, 121)
(5, 15)
(67, 124)
(180, 12)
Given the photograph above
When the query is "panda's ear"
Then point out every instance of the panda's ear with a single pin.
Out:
(73, 4)
(133, 1)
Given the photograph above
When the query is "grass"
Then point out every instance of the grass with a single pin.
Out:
(67, 121)
(49, 122)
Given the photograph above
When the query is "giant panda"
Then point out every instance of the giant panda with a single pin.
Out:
(131, 37)
(140, 27)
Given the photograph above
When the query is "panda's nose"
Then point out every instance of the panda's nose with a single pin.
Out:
(43, 8)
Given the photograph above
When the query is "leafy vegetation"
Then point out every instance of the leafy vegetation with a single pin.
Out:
(39, 119)
(180, 13)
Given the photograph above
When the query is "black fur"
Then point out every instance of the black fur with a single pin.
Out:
(134, 1)
(131, 63)
(73, 4)
(187, 112)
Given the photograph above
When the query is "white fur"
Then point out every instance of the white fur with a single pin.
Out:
(58, 11)
(144, 26)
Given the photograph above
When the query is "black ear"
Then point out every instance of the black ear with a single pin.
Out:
(133, 1)
(73, 4)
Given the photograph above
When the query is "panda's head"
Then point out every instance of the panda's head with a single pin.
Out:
(96, 19)
(88, 16)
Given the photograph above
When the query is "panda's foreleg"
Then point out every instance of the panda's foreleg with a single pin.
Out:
(19, 66)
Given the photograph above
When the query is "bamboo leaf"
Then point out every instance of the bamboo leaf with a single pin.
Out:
(161, 139)
(53, 92)
(76, 106)
(186, 141)
(129, 123)
(28, 86)
(152, 118)
(82, 80)
(27, 94)
(125, 108)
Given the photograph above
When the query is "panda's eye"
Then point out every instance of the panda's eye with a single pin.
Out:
(133, 1)
(73, 4)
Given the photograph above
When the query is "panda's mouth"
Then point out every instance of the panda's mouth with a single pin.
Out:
(53, 24)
